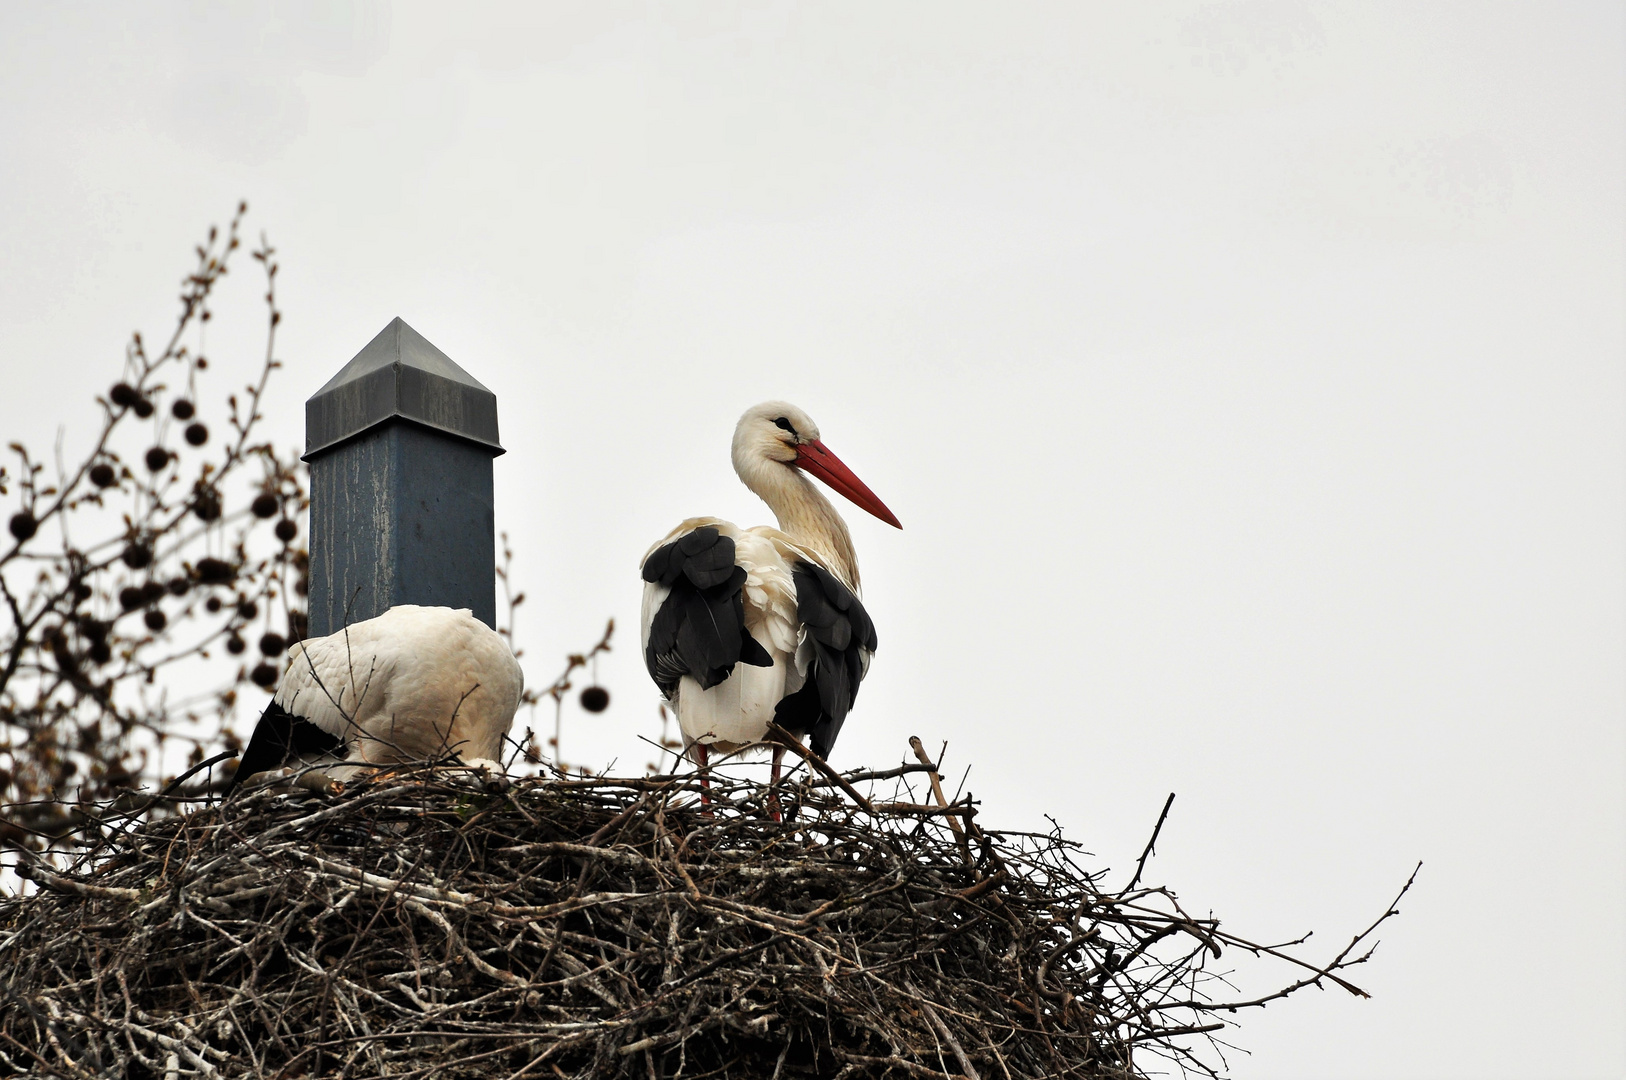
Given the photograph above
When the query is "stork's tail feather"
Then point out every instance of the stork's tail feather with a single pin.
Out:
(279, 737)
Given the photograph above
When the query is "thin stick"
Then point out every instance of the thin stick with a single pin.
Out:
(942, 1028)
(937, 793)
(1141, 864)
(795, 745)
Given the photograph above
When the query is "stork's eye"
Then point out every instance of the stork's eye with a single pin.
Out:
(783, 423)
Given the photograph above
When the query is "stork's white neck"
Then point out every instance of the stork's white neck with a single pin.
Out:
(804, 513)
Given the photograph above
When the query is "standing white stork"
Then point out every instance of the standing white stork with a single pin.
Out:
(414, 684)
(743, 627)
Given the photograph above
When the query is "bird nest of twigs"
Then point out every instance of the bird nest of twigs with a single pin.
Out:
(418, 926)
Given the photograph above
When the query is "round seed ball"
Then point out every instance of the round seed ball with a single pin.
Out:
(264, 675)
(123, 395)
(23, 525)
(235, 645)
(272, 644)
(102, 475)
(595, 699)
(286, 530)
(212, 605)
(143, 408)
(100, 652)
(181, 409)
(157, 458)
(197, 434)
(136, 556)
(248, 609)
(155, 620)
(264, 505)
(213, 571)
(130, 598)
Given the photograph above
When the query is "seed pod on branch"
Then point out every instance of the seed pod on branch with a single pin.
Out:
(95, 628)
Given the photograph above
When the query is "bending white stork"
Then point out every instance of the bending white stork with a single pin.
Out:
(746, 626)
(414, 684)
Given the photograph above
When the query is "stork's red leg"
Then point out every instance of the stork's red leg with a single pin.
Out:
(702, 758)
(773, 784)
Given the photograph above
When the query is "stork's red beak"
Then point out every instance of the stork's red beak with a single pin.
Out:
(817, 459)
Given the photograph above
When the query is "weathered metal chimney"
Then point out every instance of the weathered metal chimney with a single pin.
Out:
(400, 444)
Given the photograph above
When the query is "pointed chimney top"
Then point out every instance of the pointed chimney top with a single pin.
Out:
(400, 374)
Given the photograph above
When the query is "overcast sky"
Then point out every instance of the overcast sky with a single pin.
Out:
(1248, 377)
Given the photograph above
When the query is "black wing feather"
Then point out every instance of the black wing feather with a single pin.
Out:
(700, 629)
(838, 627)
(281, 737)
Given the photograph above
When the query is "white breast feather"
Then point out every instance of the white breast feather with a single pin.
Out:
(770, 592)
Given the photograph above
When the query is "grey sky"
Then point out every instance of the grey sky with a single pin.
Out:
(1248, 378)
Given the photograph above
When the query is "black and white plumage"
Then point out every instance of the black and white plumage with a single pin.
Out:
(414, 684)
(743, 627)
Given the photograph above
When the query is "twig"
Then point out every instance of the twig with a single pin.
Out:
(1140, 864)
(794, 744)
(937, 793)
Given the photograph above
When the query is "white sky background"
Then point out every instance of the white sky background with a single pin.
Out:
(1248, 378)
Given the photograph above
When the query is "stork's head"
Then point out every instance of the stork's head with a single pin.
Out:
(776, 434)
(772, 431)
